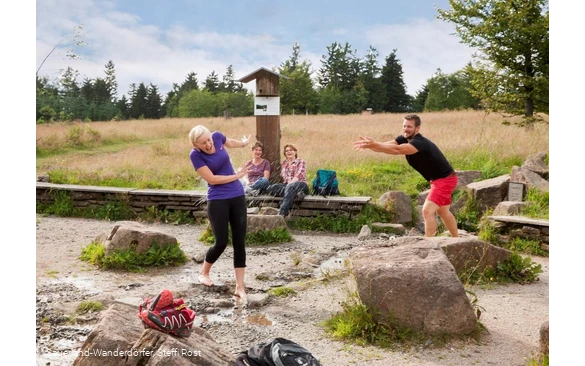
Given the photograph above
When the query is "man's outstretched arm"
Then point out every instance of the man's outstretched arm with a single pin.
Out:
(390, 147)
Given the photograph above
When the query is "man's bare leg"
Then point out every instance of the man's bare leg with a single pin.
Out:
(449, 220)
(429, 210)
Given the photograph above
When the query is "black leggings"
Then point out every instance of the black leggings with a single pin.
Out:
(232, 211)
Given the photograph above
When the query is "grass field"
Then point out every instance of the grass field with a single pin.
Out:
(155, 153)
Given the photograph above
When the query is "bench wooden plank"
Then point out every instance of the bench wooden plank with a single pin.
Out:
(520, 220)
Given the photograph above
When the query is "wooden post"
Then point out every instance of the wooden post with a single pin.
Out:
(267, 112)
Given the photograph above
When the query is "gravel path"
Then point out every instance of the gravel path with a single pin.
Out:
(512, 314)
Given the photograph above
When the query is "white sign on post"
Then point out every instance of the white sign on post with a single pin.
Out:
(267, 106)
(515, 191)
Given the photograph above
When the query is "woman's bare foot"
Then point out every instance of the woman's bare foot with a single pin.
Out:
(205, 280)
(241, 295)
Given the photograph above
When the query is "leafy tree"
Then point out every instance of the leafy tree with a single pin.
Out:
(511, 71)
(199, 103)
(333, 101)
(47, 99)
(171, 103)
(72, 104)
(240, 104)
(449, 92)
(297, 93)
(396, 98)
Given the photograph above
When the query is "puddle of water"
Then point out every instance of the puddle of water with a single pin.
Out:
(258, 319)
(223, 316)
(233, 315)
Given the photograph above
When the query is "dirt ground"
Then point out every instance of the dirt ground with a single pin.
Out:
(512, 314)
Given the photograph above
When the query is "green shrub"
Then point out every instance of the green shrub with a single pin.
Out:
(129, 259)
(90, 307)
(282, 291)
(515, 269)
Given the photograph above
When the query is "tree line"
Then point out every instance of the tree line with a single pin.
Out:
(509, 74)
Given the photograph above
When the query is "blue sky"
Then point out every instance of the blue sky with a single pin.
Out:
(160, 42)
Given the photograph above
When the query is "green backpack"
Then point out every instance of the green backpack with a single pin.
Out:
(325, 183)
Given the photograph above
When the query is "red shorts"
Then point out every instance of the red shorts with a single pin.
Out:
(442, 189)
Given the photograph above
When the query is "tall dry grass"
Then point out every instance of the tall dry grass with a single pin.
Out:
(140, 148)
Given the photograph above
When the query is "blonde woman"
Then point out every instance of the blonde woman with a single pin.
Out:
(226, 203)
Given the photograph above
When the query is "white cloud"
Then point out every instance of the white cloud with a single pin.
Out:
(163, 55)
(421, 48)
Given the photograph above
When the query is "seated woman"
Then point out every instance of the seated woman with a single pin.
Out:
(294, 175)
(258, 171)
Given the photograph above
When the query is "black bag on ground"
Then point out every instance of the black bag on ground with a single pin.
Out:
(278, 352)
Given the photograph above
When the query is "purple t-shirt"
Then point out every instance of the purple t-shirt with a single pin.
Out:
(256, 172)
(219, 163)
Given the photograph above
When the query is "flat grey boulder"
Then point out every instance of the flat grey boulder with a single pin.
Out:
(258, 223)
(488, 193)
(134, 235)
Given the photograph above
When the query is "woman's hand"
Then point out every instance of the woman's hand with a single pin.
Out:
(245, 140)
(242, 172)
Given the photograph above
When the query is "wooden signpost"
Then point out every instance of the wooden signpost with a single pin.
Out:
(267, 112)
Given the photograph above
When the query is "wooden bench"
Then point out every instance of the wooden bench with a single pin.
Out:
(195, 201)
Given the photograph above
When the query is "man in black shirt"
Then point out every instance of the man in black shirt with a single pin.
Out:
(426, 158)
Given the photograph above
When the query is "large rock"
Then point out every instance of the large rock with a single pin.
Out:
(509, 208)
(258, 223)
(122, 337)
(129, 234)
(467, 176)
(470, 253)
(488, 193)
(536, 163)
(528, 177)
(398, 203)
(544, 338)
(412, 284)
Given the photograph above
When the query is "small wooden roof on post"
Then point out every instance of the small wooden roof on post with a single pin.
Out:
(267, 82)
(267, 112)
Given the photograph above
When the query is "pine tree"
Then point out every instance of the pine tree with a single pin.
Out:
(372, 82)
(153, 103)
(111, 82)
(212, 83)
(138, 102)
(396, 98)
